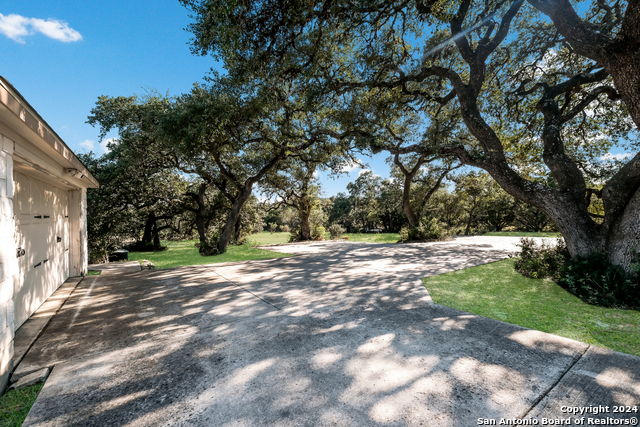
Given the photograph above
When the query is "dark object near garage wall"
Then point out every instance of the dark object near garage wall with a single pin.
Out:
(119, 255)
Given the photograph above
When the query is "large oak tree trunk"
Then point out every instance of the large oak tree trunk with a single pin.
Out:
(200, 212)
(147, 236)
(623, 238)
(233, 218)
(237, 233)
(406, 202)
(617, 52)
(156, 237)
(305, 213)
(202, 230)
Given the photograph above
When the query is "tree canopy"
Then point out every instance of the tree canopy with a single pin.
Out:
(543, 89)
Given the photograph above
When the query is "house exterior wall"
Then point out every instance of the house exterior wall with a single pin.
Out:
(8, 260)
(31, 147)
(78, 232)
(9, 264)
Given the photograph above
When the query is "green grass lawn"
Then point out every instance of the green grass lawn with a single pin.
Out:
(184, 252)
(523, 234)
(373, 237)
(93, 273)
(15, 405)
(496, 290)
(266, 238)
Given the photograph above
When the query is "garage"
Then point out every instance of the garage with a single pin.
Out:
(43, 216)
(42, 237)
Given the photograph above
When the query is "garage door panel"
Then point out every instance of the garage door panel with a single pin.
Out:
(40, 220)
(22, 196)
(48, 200)
(36, 197)
(25, 243)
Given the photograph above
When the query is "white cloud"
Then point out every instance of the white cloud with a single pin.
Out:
(104, 142)
(88, 144)
(351, 166)
(620, 156)
(363, 171)
(316, 174)
(16, 27)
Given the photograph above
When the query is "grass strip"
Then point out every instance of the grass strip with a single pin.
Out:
(497, 291)
(15, 405)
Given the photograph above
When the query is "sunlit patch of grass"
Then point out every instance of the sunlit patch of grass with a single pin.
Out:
(93, 273)
(15, 405)
(373, 237)
(182, 253)
(267, 238)
(523, 234)
(496, 290)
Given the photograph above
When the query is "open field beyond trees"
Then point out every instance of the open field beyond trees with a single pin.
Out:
(183, 253)
(266, 238)
(497, 291)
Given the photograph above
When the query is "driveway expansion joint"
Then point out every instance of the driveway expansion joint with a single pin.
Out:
(560, 378)
(246, 290)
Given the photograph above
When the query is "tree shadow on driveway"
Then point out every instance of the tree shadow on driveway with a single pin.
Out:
(347, 338)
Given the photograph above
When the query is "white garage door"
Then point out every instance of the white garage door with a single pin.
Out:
(42, 230)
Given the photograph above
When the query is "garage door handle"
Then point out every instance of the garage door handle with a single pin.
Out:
(38, 216)
(37, 265)
(47, 216)
(45, 260)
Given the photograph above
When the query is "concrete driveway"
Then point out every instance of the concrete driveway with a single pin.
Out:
(343, 334)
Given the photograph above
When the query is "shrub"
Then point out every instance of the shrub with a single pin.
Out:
(295, 235)
(427, 230)
(285, 228)
(139, 246)
(430, 229)
(596, 281)
(210, 245)
(335, 231)
(272, 227)
(407, 234)
(593, 279)
(317, 232)
(540, 261)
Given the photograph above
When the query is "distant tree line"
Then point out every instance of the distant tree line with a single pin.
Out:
(469, 203)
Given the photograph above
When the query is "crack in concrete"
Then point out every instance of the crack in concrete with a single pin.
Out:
(246, 290)
(555, 384)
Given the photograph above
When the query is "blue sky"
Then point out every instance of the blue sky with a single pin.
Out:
(62, 55)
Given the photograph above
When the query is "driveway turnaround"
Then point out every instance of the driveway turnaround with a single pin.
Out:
(343, 334)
